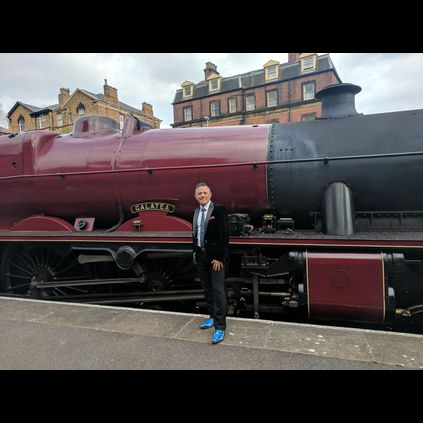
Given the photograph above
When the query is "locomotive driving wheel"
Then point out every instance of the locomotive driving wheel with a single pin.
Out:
(23, 267)
(166, 274)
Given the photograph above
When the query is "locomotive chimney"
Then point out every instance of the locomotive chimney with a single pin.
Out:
(338, 100)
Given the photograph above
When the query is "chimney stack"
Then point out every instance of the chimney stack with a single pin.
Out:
(293, 57)
(110, 93)
(64, 96)
(210, 69)
(147, 109)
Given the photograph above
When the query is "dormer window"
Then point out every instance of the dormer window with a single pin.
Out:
(187, 89)
(308, 62)
(214, 84)
(271, 70)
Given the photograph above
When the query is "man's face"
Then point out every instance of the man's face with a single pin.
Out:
(203, 195)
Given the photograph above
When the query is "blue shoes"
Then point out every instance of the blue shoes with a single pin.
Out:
(218, 336)
(207, 324)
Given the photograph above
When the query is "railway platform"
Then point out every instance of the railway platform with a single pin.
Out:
(45, 335)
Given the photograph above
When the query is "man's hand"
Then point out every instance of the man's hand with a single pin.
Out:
(217, 265)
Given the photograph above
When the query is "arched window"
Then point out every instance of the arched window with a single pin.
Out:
(21, 124)
(80, 110)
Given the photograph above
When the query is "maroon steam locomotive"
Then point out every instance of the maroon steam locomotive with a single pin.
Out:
(326, 216)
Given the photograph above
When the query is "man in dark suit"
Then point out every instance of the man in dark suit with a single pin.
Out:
(210, 232)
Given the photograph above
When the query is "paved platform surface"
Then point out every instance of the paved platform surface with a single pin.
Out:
(46, 335)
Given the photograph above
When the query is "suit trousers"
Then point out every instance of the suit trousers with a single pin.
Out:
(213, 283)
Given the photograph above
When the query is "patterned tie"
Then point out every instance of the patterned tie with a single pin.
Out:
(202, 227)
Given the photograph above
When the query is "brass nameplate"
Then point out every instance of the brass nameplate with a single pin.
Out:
(153, 206)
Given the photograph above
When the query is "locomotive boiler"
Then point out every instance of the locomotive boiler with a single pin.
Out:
(326, 216)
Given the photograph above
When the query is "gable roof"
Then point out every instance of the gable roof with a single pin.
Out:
(102, 97)
(35, 111)
(271, 63)
(44, 110)
(27, 106)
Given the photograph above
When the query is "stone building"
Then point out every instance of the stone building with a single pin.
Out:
(276, 93)
(60, 117)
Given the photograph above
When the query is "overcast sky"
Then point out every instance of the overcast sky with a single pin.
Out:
(389, 81)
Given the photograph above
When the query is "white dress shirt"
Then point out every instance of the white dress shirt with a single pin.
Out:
(199, 221)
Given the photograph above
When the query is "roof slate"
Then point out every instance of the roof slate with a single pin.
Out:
(255, 78)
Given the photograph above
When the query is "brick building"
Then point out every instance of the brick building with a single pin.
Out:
(277, 93)
(60, 117)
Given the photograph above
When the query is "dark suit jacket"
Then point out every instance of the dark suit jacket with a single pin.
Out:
(216, 232)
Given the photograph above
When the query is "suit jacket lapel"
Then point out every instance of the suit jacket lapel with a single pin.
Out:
(194, 222)
(209, 212)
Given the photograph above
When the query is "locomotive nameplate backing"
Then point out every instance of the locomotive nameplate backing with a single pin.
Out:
(153, 206)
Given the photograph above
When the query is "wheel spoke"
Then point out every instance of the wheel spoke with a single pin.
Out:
(72, 266)
(23, 264)
(59, 264)
(13, 288)
(11, 275)
(28, 272)
(26, 260)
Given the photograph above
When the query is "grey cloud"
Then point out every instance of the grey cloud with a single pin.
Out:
(390, 81)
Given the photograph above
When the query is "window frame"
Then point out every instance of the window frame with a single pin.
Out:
(21, 124)
(191, 88)
(308, 115)
(246, 103)
(211, 108)
(303, 85)
(277, 97)
(267, 69)
(229, 104)
(310, 68)
(184, 113)
(80, 107)
(211, 80)
(42, 121)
